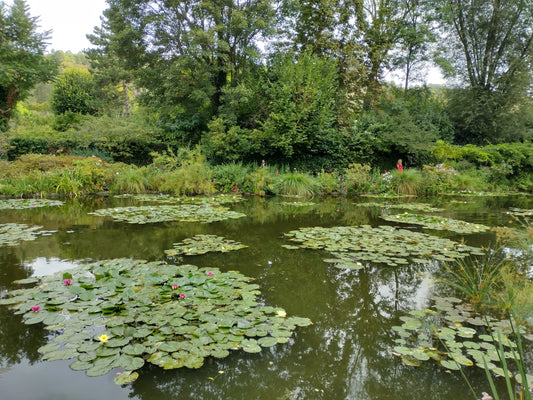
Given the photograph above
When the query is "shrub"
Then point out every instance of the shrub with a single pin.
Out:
(330, 182)
(227, 176)
(73, 92)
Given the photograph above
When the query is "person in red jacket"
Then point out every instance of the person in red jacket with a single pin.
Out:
(399, 166)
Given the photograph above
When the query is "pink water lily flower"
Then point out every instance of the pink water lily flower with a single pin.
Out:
(209, 273)
(182, 295)
(35, 308)
(174, 286)
(67, 282)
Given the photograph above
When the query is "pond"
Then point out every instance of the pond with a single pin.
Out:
(345, 354)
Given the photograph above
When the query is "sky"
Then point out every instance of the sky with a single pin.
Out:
(69, 20)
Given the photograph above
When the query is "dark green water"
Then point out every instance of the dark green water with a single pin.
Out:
(345, 354)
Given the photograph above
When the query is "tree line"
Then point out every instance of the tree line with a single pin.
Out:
(298, 82)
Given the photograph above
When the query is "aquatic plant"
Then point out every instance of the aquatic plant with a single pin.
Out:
(351, 245)
(18, 204)
(12, 234)
(434, 222)
(455, 336)
(201, 244)
(122, 313)
(407, 206)
(163, 213)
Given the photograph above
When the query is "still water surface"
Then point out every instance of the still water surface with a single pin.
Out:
(345, 354)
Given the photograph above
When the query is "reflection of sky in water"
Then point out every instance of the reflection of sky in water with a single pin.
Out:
(42, 266)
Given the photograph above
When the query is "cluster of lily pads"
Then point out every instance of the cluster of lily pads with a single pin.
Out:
(201, 244)
(297, 203)
(122, 313)
(351, 245)
(439, 223)
(452, 335)
(164, 213)
(12, 234)
(17, 204)
(165, 198)
(521, 212)
(406, 206)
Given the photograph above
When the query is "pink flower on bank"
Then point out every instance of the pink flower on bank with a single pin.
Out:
(174, 286)
(209, 273)
(182, 295)
(35, 308)
(67, 282)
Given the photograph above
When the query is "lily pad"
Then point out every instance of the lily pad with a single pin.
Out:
(12, 234)
(439, 223)
(406, 206)
(162, 213)
(201, 244)
(18, 204)
(383, 244)
(175, 316)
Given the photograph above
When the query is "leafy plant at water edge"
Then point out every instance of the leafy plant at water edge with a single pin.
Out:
(351, 245)
(477, 278)
(163, 213)
(455, 336)
(201, 244)
(439, 223)
(121, 313)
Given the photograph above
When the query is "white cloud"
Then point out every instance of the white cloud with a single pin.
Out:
(69, 20)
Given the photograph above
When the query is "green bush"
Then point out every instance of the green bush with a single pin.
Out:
(230, 176)
(74, 92)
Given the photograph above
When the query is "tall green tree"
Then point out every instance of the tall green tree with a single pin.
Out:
(490, 48)
(23, 63)
(110, 60)
(186, 52)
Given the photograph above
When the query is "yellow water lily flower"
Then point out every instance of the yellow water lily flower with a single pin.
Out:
(282, 313)
(103, 338)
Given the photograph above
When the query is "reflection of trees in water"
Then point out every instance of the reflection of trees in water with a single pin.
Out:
(344, 355)
(17, 340)
(11, 267)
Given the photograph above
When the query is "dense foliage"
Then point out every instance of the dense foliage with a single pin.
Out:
(22, 54)
(296, 84)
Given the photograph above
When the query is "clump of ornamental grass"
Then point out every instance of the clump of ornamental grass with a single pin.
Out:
(129, 180)
(408, 182)
(296, 184)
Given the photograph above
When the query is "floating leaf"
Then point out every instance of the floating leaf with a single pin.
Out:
(439, 223)
(384, 244)
(116, 327)
(11, 234)
(125, 377)
(162, 213)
